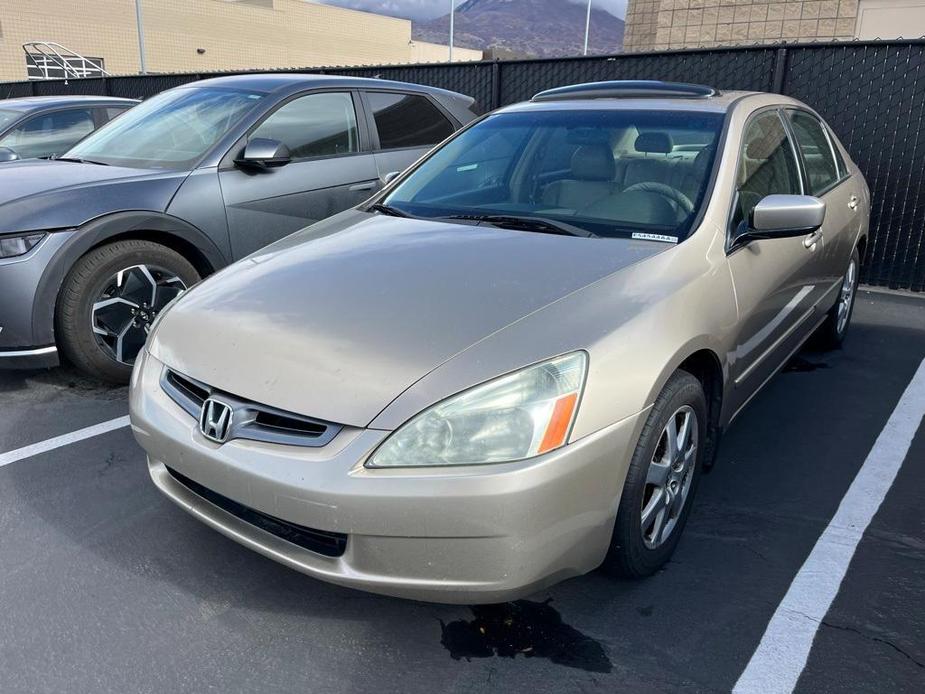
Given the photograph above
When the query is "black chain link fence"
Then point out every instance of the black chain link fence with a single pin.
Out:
(872, 93)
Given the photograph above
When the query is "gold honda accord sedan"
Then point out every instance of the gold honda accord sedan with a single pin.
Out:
(512, 364)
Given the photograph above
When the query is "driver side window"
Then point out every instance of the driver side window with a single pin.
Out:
(767, 165)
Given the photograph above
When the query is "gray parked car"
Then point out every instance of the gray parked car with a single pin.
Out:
(94, 243)
(513, 364)
(39, 127)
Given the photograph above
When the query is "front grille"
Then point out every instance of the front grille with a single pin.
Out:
(318, 541)
(249, 420)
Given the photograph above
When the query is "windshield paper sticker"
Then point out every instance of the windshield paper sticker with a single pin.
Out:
(654, 237)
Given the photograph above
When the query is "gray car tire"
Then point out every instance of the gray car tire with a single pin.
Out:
(629, 555)
(833, 331)
(73, 324)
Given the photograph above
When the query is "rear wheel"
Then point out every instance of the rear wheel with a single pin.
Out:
(661, 481)
(833, 330)
(109, 300)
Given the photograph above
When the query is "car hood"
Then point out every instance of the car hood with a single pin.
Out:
(39, 194)
(339, 326)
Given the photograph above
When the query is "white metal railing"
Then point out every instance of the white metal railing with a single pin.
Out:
(47, 60)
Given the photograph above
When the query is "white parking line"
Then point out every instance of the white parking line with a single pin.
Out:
(781, 656)
(63, 440)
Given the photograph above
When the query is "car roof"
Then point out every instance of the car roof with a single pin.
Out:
(716, 103)
(295, 81)
(36, 103)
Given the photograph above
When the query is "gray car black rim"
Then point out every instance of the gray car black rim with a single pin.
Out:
(668, 480)
(846, 297)
(128, 303)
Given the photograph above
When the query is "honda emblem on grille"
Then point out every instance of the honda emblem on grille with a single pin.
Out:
(215, 420)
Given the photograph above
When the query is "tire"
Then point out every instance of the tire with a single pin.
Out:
(831, 334)
(634, 553)
(90, 283)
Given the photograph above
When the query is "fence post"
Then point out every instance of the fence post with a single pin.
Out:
(780, 71)
(495, 85)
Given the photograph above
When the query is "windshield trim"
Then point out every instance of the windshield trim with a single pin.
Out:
(218, 145)
(700, 212)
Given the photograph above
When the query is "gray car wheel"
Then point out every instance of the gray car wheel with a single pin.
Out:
(661, 480)
(834, 329)
(109, 300)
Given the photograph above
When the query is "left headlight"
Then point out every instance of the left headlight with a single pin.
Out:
(12, 246)
(516, 416)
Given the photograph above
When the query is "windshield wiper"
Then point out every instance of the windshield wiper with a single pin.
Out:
(81, 161)
(387, 209)
(540, 225)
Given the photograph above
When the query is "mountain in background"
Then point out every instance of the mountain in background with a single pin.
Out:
(526, 28)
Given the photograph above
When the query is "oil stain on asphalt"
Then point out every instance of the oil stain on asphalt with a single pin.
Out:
(530, 629)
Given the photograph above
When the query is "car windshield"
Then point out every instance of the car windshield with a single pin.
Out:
(170, 131)
(7, 117)
(609, 173)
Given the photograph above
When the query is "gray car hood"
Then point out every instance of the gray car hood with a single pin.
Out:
(38, 194)
(337, 327)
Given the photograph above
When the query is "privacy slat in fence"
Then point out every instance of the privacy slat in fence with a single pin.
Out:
(873, 94)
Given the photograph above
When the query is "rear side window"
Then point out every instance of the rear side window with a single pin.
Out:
(767, 165)
(817, 152)
(50, 133)
(317, 125)
(407, 120)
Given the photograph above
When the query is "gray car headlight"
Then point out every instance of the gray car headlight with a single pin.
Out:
(12, 246)
(516, 416)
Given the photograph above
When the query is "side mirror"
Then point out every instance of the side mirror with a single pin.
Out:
(389, 177)
(264, 153)
(6, 154)
(783, 216)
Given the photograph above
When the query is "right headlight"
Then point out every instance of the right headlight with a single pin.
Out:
(12, 246)
(516, 416)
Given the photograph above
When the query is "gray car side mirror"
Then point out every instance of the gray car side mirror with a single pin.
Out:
(264, 153)
(390, 176)
(6, 154)
(783, 216)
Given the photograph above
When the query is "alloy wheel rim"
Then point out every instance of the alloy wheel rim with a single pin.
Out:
(669, 477)
(126, 306)
(846, 297)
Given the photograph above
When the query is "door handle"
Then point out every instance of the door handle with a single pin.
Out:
(811, 240)
(853, 202)
(370, 185)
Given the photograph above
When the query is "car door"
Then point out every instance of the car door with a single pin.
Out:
(828, 179)
(50, 133)
(777, 281)
(404, 127)
(332, 169)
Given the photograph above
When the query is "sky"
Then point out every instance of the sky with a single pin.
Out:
(428, 9)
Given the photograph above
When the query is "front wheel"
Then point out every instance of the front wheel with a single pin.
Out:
(109, 300)
(833, 330)
(661, 481)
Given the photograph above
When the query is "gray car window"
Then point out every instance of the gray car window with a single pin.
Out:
(317, 125)
(407, 120)
(767, 165)
(7, 117)
(821, 169)
(49, 133)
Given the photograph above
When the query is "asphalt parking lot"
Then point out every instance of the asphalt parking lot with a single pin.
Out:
(105, 586)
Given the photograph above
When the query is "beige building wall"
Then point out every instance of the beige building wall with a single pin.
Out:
(234, 34)
(425, 52)
(657, 25)
(889, 19)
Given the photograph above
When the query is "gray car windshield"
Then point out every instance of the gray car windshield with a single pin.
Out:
(607, 173)
(173, 130)
(7, 117)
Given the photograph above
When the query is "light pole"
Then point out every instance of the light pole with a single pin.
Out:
(141, 37)
(452, 14)
(587, 27)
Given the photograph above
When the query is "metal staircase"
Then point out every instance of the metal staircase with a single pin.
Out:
(47, 60)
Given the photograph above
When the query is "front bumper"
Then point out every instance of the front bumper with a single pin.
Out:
(466, 535)
(26, 327)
